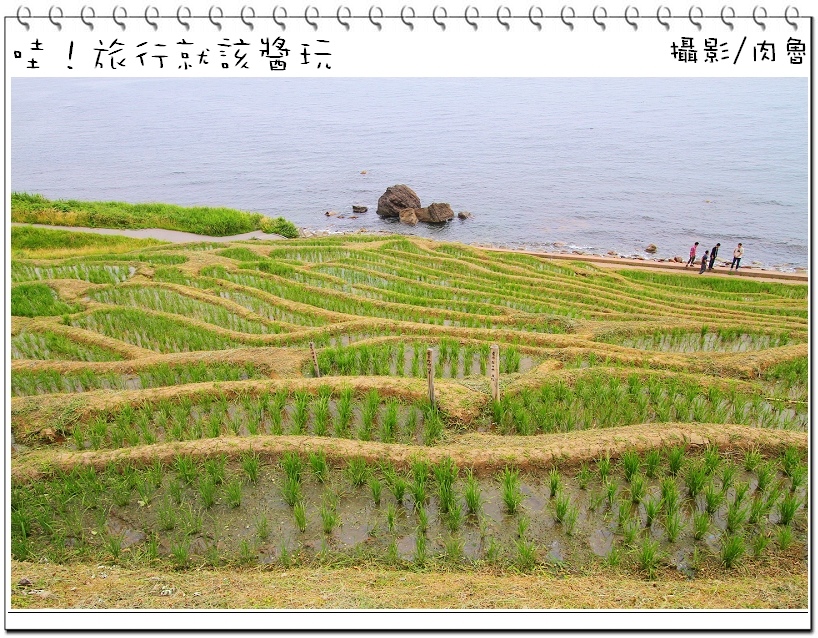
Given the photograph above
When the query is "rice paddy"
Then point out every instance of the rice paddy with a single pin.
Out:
(267, 405)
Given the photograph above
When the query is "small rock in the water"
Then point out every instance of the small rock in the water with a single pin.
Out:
(613, 253)
(352, 216)
(363, 172)
(408, 216)
(559, 244)
(331, 213)
(651, 248)
(359, 209)
(639, 257)
(578, 252)
(435, 213)
(463, 214)
(678, 259)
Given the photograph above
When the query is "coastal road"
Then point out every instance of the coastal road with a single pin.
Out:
(173, 236)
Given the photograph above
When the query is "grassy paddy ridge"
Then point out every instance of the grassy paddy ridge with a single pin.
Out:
(167, 413)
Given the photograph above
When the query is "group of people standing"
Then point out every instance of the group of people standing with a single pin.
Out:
(709, 257)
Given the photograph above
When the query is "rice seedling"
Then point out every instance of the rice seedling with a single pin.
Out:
(701, 524)
(420, 548)
(152, 547)
(389, 423)
(583, 476)
(736, 518)
(186, 469)
(610, 493)
(554, 481)
(673, 525)
(652, 507)
(180, 553)
(285, 557)
(695, 479)
(765, 474)
(391, 515)
(652, 460)
(113, 543)
(329, 516)
(301, 412)
(342, 423)
(603, 466)
(453, 547)
(630, 530)
(472, 494)
(732, 549)
(233, 493)
(630, 464)
(623, 514)
(207, 490)
(321, 416)
(728, 476)
(510, 484)
(649, 556)
(711, 459)
(752, 459)
(318, 464)
(292, 464)
(191, 521)
(742, 489)
(670, 494)
(250, 463)
(423, 518)
(376, 487)
(291, 490)
(166, 516)
(784, 537)
(454, 517)
(526, 555)
(432, 425)
(614, 557)
(759, 544)
(397, 485)
(262, 528)
(675, 457)
(357, 471)
(787, 507)
(445, 474)
(798, 477)
(417, 489)
(790, 460)
(300, 515)
(215, 468)
(757, 510)
(637, 488)
(713, 498)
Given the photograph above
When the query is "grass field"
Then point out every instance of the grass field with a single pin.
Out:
(36, 209)
(169, 418)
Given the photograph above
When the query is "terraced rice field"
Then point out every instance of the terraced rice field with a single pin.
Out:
(167, 412)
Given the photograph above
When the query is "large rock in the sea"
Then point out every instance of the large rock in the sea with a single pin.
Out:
(395, 199)
(407, 216)
(435, 213)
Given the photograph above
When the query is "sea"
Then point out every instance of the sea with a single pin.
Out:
(586, 164)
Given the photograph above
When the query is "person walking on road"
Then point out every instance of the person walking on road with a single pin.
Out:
(704, 261)
(713, 252)
(738, 253)
(692, 260)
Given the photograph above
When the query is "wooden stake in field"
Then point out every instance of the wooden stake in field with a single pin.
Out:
(494, 366)
(430, 375)
(314, 359)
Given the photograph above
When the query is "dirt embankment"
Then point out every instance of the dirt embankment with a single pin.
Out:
(484, 453)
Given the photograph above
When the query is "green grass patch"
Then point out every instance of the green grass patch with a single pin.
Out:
(202, 220)
(37, 300)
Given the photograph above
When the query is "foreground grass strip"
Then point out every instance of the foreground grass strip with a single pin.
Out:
(486, 454)
(201, 220)
(71, 587)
